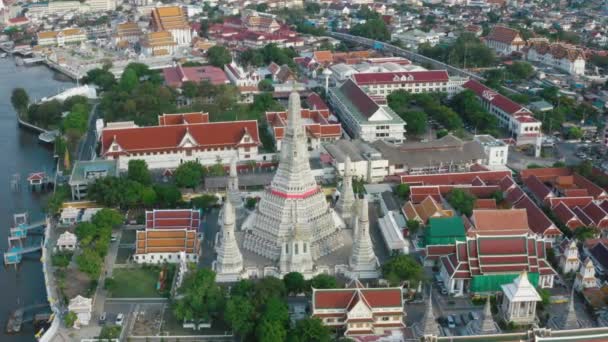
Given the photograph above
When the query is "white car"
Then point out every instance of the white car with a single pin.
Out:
(451, 322)
(119, 319)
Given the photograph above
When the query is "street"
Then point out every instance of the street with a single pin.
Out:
(88, 143)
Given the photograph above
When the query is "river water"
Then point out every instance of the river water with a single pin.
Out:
(22, 155)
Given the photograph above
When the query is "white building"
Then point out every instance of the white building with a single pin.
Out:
(67, 241)
(561, 56)
(519, 301)
(363, 118)
(569, 260)
(101, 5)
(497, 152)
(504, 40)
(411, 39)
(180, 138)
(62, 37)
(585, 278)
(381, 84)
(82, 307)
(523, 127)
(367, 163)
(246, 81)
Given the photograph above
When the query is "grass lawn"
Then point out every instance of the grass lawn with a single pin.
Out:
(135, 283)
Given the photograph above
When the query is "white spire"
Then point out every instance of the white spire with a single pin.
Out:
(229, 258)
(488, 326)
(363, 261)
(233, 193)
(346, 201)
(569, 320)
(429, 326)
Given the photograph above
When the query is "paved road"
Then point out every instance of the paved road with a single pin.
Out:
(100, 294)
(86, 147)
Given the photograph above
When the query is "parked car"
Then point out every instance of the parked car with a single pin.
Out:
(444, 291)
(120, 319)
(465, 318)
(474, 315)
(451, 322)
(457, 320)
(102, 318)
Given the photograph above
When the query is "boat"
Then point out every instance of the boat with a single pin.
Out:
(48, 137)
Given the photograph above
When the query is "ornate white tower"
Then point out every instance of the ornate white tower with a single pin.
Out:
(569, 261)
(363, 262)
(295, 254)
(233, 194)
(229, 263)
(347, 196)
(428, 328)
(585, 278)
(293, 193)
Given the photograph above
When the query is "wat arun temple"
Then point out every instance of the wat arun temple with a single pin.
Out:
(293, 228)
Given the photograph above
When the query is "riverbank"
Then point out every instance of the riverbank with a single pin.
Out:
(26, 285)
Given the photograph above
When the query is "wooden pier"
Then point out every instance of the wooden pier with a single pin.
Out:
(22, 315)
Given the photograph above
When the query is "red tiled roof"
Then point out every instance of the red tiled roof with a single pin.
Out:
(175, 76)
(506, 183)
(503, 34)
(401, 77)
(315, 101)
(594, 190)
(587, 221)
(487, 203)
(206, 135)
(547, 173)
(183, 118)
(502, 102)
(576, 192)
(540, 190)
(567, 216)
(499, 222)
(491, 177)
(341, 298)
(570, 202)
(596, 214)
(538, 221)
(364, 104)
(514, 195)
(173, 219)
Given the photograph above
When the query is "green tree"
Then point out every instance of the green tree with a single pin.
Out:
(240, 315)
(217, 169)
(584, 233)
(138, 172)
(310, 330)
(69, 319)
(403, 191)
(20, 100)
(401, 268)
(100, 77)
(270, 331)
(167, 195)
(188, 174)
(323, 281)
(189, 89)
(575, 133)
(90, 263)
(269, 287)
(265, 85)
(219, 56)
(416, 121)
(107, 218)
(521, 70)
(148, 197)
(373, 29)
(128, 80)
(55, 202)
(413, 226)
(461, 201)
(294, 282)
(202, 297)
(204, 201)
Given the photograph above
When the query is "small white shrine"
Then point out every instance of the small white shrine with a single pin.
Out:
(82, 307)
(67, 242)
(519, 300)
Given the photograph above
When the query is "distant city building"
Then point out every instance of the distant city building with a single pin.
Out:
(101, 5)
(517, 119)
(128, 32)
(62, 37)
(246, 81)
(363, 118)
(497, 152)
(158, 43)
(177, 75)
(383, 84)
(504, 40)
(358, 310)
(167, 234)
(367, 163)
(412, 39)
(179, 138)
(173, 20)
(561, 56)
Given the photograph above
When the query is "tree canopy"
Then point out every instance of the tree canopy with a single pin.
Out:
(462, 201)
(188, 174)
(401, 268)
(201, 298)
(20, 100)
(219, 56)
(467, 51)
(138, 172)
